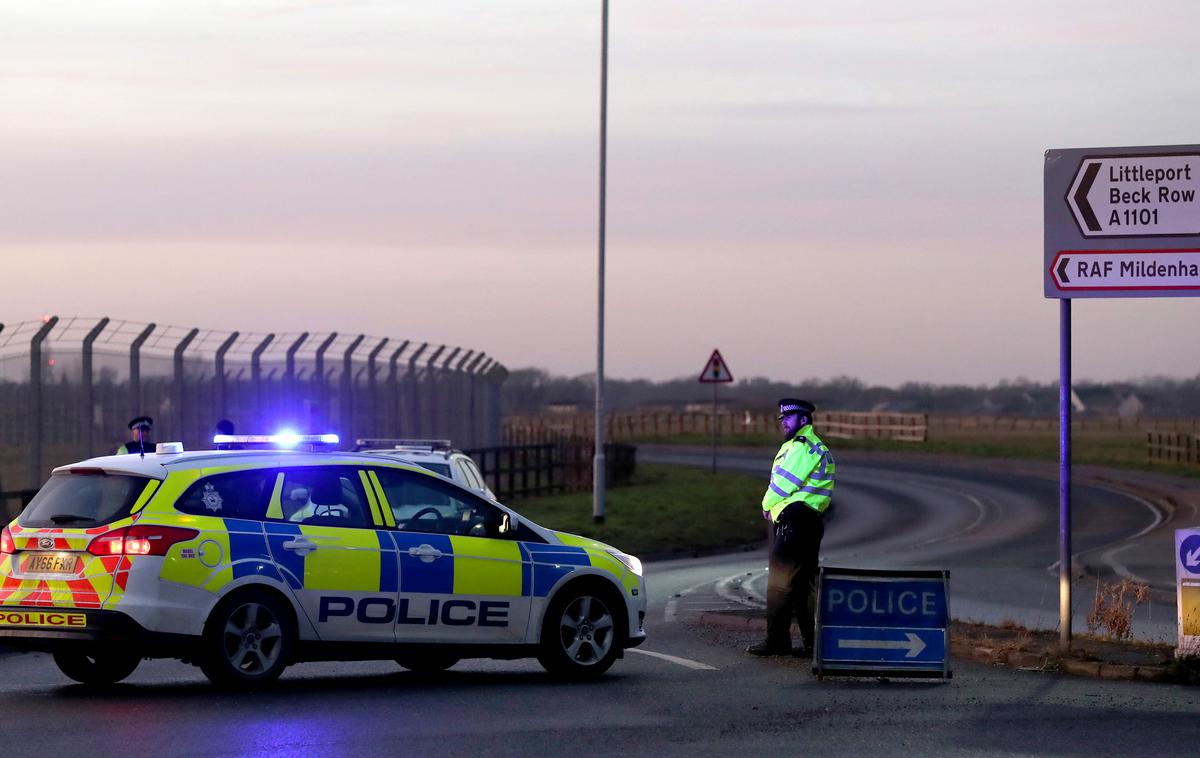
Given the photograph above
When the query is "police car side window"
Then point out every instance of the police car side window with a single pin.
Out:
(421, 503)
(321, 496)
(242, 494)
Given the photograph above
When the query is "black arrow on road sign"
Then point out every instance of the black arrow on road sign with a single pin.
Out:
(1081, 201)
(1062, 271)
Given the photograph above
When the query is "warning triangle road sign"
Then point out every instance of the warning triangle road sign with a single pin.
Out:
(715, 371)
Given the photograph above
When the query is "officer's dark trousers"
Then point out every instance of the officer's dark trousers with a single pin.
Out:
(792, 581)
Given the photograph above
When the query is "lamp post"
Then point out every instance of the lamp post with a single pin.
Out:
(598, 462)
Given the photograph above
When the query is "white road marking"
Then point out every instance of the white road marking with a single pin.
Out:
(685, 662)
(1110, 558)
(980, 509)
(672, 610)
(725, 589)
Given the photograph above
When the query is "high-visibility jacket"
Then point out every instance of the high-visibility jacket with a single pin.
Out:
(802, 473)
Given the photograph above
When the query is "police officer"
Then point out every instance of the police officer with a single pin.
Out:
(139, 429)
(798, 494)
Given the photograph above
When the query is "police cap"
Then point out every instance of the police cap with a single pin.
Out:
(141, 422)
(790, 405)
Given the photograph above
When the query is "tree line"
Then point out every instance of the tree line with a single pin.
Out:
(533, 390)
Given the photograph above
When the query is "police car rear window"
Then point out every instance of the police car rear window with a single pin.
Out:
(71, 501)
(241, 494)
(437, 468)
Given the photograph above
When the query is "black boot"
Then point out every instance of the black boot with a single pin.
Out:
(765, 649)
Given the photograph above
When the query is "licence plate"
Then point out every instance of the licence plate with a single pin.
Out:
(51, 563)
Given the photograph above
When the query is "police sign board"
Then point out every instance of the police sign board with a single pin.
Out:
(1122, 222)
(882, 623)
(1187, 583)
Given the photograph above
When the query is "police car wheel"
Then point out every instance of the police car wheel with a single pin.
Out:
(580, 637)
(427, 664)
(107, 667)
(247, 641)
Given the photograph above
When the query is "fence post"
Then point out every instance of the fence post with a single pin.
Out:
(346, 411)
(460, 420)
(219, 380)
(256, 379)
(180, 394)
(373, 390)
(88, 415)
(318, 385)
(444, 390)
(428, 391)
(474, 416)
(394, 397)
(291, 386)
(410, 379)
(135, 371)
(35, 400)
(488, 430)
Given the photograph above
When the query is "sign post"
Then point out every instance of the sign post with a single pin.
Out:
(1187, 587)
(882, 623)
(715, 372)
(1119, 222)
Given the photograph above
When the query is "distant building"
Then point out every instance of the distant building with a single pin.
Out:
(560, 409)
(1131, 407)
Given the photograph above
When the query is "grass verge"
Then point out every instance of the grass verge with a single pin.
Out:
(665, 509)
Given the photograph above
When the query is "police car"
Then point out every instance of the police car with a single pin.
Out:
(439, 456)
(244, 561)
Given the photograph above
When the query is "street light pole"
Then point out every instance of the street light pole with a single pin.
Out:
(598, 461)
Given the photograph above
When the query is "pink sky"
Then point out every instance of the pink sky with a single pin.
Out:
(815, 191)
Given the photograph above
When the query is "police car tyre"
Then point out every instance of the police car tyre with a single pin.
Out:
(581, 633)
(248, 640)
(427, 663)
(97, 667)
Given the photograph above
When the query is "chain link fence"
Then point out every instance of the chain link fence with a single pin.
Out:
(69, 386)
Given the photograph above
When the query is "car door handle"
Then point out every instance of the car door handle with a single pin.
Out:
(427, 553)
(300, 545)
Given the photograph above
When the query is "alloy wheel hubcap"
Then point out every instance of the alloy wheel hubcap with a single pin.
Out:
(587, 630)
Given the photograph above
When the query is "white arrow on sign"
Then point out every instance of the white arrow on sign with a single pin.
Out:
(1193, 558)
(1137, 196)
(914, 645)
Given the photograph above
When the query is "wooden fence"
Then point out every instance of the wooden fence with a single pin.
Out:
(1172, 447)
(550, 468)
(908, 427)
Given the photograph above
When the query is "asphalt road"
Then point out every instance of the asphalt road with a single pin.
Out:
(690, 690)
(996, 529)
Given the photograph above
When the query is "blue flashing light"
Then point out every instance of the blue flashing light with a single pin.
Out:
(286, 438)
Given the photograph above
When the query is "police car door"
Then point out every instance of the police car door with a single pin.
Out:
(462, 576)
(322, 535)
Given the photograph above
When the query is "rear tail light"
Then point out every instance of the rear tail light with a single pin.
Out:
(140, 540)
(7, 547)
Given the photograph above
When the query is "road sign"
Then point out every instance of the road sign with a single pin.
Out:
(1137, 195)
(1122, 222)
(1126, 270)
(883, 623)
(1187, 583)
(715, 371)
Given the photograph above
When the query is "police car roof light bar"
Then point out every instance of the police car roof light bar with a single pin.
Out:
(365, 443)
(284, 439)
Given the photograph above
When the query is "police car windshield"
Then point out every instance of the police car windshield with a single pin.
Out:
(83, 499)
(437, 468)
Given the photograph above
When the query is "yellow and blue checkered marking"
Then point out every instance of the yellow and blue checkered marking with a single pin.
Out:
(551, 563)
(248, 552)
